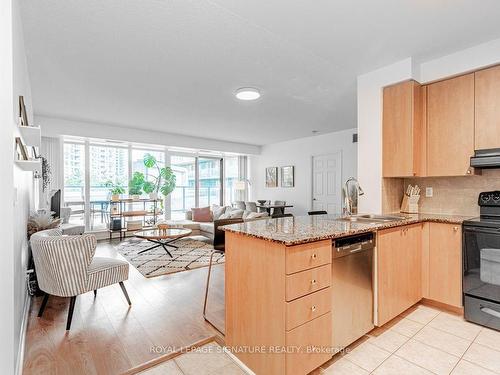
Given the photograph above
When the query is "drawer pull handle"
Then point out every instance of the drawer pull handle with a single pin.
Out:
(313, 308)
(455, 228)
(314, 256)
(313, 282)
(489, 311)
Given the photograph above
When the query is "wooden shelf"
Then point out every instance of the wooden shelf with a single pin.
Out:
(30, 165)
(31, 135)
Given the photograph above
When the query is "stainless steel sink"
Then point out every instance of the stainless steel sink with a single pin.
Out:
(371, 218)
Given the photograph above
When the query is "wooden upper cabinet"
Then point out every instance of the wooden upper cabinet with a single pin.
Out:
(450, 126)
(487, 96)
(402, 131)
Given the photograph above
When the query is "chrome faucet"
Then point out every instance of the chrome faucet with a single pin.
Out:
(351, 191)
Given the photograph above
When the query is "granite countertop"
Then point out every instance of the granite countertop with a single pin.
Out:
(302, 229)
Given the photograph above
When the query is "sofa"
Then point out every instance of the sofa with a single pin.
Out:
(227, 214)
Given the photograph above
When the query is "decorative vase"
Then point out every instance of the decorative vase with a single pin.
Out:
(136, 197)
(153, 195)
(115, 197)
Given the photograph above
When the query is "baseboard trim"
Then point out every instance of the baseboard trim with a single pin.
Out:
(22, 338)
(443, 306)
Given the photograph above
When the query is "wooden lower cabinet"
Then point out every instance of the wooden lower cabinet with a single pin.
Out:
(399, 272)
(445, 264)
(278, 298)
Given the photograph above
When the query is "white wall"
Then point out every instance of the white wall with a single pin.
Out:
(55, 127)
(370, 130)
(17, 186)
(299, 153)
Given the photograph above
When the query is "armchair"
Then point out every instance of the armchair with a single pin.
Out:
(66, 267)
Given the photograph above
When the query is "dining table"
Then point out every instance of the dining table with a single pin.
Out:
(269, 207)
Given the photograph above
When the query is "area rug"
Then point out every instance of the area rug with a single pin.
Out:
(191, 254)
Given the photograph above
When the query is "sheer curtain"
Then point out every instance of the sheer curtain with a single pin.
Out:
(51, 149)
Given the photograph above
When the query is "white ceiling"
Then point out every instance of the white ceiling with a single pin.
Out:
(173, 65)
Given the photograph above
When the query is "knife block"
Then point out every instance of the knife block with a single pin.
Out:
(410, 204)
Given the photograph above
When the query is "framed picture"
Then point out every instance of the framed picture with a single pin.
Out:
(287, 176)
(22, 151)
(272, 177)
(22, 112)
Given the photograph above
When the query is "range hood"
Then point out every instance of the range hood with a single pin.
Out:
(489, 158)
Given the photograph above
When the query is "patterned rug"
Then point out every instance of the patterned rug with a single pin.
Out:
(191, 254)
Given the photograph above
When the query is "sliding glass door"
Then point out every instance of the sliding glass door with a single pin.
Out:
(74, 181)
(183, 198)
(209, 181)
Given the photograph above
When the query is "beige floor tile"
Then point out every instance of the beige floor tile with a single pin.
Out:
(484, 357)
(467, 368)
(407, 327)
(423, 314)
(231, 369)
(398, 366)
(455, 325)
(389, 340)
(368, 356)
(442, 340)
(205, 360)
(344, 367)
(490, 338)
(169, 368)
(425, 356)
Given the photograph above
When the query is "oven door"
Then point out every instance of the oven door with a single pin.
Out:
(481, 262)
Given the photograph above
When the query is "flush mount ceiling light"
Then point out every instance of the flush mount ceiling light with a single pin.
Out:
(247, 93)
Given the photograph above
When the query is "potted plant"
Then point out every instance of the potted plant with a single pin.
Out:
(163, 182)
(115, 189)
(135, 185)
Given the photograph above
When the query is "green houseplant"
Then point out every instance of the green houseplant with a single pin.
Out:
(135, 185)
(115, 189)
(163, 182)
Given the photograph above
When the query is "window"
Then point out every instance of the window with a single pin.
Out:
(183, 198)
(209, 181)
(107, 165)
(231, 176)
(74, 181)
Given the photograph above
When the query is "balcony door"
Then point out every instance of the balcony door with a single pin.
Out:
(209, 181)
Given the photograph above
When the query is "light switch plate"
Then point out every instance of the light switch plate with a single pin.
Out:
(429, 192)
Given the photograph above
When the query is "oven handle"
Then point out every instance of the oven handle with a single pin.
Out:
(489, 311)
(486, 231)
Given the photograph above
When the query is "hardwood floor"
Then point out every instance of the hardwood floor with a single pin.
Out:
(109, 337)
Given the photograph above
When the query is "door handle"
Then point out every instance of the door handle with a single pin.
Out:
(489, 311)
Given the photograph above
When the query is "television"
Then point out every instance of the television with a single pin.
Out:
(55, 204)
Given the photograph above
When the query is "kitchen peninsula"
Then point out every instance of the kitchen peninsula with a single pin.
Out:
(280, 314)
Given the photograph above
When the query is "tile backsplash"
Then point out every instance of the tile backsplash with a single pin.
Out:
(454, 195)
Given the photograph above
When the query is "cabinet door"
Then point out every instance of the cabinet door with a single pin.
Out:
(450, 126)
(399, 272)
(445, 264)
(487, 94)
(401, 130)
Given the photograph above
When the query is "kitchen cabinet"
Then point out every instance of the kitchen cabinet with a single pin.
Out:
(399, 270)
(487, 108)
(403, 136)
(450, 126)
(445, 264)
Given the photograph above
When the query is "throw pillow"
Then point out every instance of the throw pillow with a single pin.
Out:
(202, 214)
(232, 213)
(217, 211)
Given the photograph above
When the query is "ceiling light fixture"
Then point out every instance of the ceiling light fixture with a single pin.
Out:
(247, 93)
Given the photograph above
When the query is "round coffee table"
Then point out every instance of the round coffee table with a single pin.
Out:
(162, 237)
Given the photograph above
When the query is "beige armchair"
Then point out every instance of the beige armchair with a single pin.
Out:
(66, 267)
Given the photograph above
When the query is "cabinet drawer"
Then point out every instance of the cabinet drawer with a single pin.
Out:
(316, 335)
(307, 308)
(305, 282)
(310, 255)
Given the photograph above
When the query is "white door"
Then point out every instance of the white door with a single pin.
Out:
(327, 184)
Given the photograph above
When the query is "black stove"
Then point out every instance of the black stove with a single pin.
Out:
(481, 263)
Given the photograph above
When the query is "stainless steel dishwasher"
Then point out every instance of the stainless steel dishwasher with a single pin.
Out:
(352, 288)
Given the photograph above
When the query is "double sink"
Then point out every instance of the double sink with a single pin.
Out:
(373, 219)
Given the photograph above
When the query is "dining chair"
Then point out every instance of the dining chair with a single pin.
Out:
(251, 206)
(317, 213)
(219, 248)
(278, 211)
(239, 204)
(66, 267)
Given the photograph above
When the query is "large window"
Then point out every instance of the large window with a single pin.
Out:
(91, 165)
(74, 181)
(107, 165)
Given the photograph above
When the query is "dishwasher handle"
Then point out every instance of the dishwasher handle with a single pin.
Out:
(342, 248)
